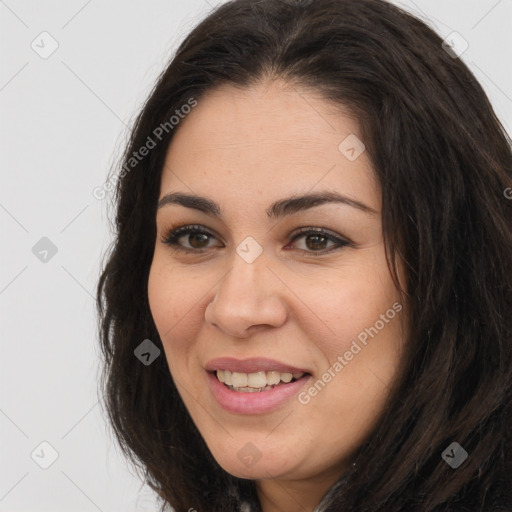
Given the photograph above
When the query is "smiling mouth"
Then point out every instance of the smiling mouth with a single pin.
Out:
(256, 382)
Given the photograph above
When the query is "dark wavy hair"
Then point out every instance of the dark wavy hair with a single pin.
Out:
(443, 161)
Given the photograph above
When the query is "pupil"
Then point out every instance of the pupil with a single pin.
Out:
(316, 241)
(193, 239)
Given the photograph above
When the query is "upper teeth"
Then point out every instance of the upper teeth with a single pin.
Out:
(255, 380)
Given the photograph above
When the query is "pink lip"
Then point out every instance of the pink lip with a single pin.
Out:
(252, 365)
(253, 403)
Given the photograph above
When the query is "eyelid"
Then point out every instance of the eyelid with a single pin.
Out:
(323, 231)
(185, 229)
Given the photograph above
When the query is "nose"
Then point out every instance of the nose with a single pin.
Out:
(249, 297)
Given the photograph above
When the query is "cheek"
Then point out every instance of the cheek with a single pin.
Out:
(369, 340)
(161, 297)
(169, 314)
(360, 357)
(352, 302)
(172, 300)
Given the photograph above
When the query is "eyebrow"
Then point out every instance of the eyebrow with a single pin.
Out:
(281, 208)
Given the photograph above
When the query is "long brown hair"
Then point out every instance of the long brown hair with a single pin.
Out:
(443, 161)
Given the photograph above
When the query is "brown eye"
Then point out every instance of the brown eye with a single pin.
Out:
(195, 239)
(316, 242)
(189, 238)
(198, 240)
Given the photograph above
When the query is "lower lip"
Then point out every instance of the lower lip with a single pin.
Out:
(257, 402)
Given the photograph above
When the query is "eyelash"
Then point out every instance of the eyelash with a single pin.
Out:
(171, 238)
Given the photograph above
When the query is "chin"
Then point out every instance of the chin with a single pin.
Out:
(248, 462)
(260, 470)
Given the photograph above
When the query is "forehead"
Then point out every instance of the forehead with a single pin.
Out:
(259, 142)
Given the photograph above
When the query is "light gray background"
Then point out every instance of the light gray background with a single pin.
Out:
(63, 121)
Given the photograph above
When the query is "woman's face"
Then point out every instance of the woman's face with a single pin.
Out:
(260, 295)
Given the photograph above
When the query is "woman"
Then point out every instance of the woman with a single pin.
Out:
(307, 304)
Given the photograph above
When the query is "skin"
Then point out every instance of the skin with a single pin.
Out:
(244, 149)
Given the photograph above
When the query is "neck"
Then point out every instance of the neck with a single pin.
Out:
(294, 495)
